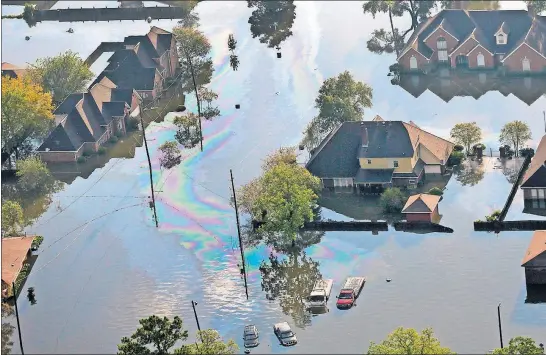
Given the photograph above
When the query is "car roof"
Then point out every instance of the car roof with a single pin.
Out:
(282, 326)
(250, 329)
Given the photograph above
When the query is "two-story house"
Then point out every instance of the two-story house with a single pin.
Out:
(512, 39)
(534, 181)
(86, 121)
(144, 63)
(372, 155)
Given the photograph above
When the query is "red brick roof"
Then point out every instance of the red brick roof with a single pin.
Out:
(14, 251)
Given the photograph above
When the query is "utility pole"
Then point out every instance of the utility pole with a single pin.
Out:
(150, 169)
(239, 232)
(500, 327)
(197, 99)
(193, 304)
(17, 316)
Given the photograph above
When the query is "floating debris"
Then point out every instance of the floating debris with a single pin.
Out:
(237, 106)
(389, 280)
(181, 108)
(70, 30)
(27, 38)
(149, 20)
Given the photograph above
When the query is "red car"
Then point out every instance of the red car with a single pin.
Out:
(350, 291)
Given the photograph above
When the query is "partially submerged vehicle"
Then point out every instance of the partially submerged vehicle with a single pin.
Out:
(350, 292)
(251, 336)
(321, 293)
(285, 335)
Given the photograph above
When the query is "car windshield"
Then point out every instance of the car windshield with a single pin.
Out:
(287, 334)
(316, 298)
(251, 337)
(345, 295)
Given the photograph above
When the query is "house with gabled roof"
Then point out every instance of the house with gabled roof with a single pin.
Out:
(534, 260)
(533, 183)
(86, 121)
(372, 155)
(422, 208)
(512, 39)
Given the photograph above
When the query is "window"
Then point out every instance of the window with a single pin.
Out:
(369, 161)
(541, 194)
(441, 45)
(526, 64)
(395, 163)
(413, 62)
(501, 38)
(534, 193)
(481, 60)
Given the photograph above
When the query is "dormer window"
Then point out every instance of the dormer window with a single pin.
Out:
(501, 38)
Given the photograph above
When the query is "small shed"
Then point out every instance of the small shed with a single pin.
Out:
(534, 260)
(422, 208)
(15, 252)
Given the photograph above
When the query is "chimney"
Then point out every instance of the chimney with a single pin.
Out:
(364, 133)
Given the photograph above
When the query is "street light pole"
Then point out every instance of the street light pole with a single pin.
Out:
(500, 326)
(193, 304)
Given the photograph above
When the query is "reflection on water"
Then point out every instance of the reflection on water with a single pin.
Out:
(96, 282)
(272, 21)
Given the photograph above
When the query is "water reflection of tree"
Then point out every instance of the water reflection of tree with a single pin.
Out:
(469, 173)
(7, 329)
(290, 280)
(272, 21)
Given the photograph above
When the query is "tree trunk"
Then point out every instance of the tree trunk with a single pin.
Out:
(393, 34)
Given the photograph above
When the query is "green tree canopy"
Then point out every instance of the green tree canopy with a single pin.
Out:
(188, 132)
(470, 173)
(466, 134)
(154, 336)
(170, 154)
(26, 113)
(271, 21)
(392, 200)
(538, 6)
(212, 344)
(12, 218)
(409, 341)
(34, 176)
(520, 346)
(515, 134)
(340, 99)
(61, 75)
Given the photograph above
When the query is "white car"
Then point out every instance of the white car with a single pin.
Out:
(285, 335)
(251, 336)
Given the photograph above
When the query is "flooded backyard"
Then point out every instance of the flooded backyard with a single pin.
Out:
(103, 265)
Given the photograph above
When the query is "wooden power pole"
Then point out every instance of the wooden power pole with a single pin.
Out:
(150, 169)
(17, 316)
(239, 231)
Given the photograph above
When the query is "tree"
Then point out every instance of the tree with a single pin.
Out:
(469, 173)
(515, 134)
(170, 154)
(290, 280)
(188, 133)
(466, 134)
(34, 176)
(61, 75)
(159, 333)
(392, 200)
(272, 21)
(29, 14)
(286, 155)
(520, 346)
(12, 218)
(195, 63)
(26, 113)
(536, 6)
(7, 329)
(436, 191)
(190, 19)
(456, 158)
(212, 344)
(233, 58)
(207, 96)
(409, 341)
(340, 99)
(385, 42)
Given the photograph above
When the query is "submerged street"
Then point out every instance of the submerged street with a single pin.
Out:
(103, 265)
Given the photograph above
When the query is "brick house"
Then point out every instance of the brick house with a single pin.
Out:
(144, 63)
(86, 121)
(463, 83)
(372, 155)
(514, 40)
(534, 180)
(534, 260)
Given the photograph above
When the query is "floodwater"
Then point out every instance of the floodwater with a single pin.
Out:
(103, 264)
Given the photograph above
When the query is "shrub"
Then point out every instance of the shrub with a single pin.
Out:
(101, 151)
(479, 146)
(132, 124)
(82, 159)
(37, 242)
(493, 216)
(392, 200)
(86, 154)
(455, 158)
(458, 148)
(527, 151)
(113, 139)
(119, 134)
(436, 191)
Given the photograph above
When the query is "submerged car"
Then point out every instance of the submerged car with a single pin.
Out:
(251, 336)
(285, 335)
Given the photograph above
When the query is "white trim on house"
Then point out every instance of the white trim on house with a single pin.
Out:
(479, 45)
(459, 46)
(416, 51)
(436, 29)
(500, 29)
(502, 61)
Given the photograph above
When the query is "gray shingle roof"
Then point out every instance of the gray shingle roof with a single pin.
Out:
(387, 139)
(68, 104)
(374, 176)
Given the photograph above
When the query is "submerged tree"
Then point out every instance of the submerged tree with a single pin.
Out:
(469, 173)
(515, 134)
(7, 329)
(187, 133)
(34, 176)
(340, 99)
(290, 280)
(521, 346)
(233, 58)
(61, 75)
(466, 134)
(208, 97)
(409, 341)
(170, 154)
(271, 21)
(190, 19)
(12, 218)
